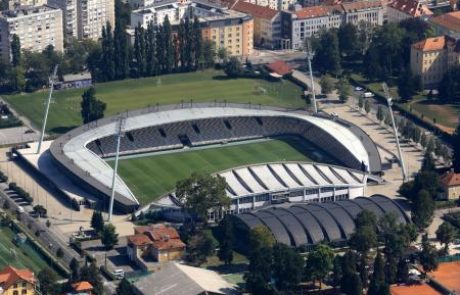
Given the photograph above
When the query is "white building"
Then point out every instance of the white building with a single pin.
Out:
(36, 27)
(85, 18)
(13, 4)
(305, 22)
(157, 13)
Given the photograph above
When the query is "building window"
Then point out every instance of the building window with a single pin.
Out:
(24, 284)
(15, 292)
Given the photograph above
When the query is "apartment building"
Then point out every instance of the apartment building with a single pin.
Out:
(267, 24)
(303, 23)
(432, 57)
(13, 4)
(272, 4)
(399, 10)
(227, 28)
(447, 24)
(15, 281)
(36, 27)
(84, 19)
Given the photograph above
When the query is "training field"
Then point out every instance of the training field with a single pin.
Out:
(206, 86)
(25, 255)
(149, 177)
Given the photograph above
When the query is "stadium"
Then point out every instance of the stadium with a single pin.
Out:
(341, 159)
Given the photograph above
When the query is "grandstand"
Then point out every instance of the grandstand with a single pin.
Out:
(309, 224)
(81, 152)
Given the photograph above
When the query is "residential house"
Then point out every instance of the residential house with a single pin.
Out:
(81, 288)
(156, 242)
(450, 183)
(279, 68)
(432, 57)
(447, 24)
(175, 278)
(15, 281)
(267, 23)
(399, 10)
(80, 80)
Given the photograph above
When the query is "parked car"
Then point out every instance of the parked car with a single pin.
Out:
(368, 94)
(119, 273)
(357, 88)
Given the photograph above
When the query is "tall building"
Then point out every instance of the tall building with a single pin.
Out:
(432, 57)
(226, 28)
(13, 4)
(36, 27)
(17, 281)
(303, 23)
(84, 19)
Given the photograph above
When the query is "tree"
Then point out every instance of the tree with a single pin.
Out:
(15, 50)
(47, 279)
(348, 39)
(60, 252)
(200, 246)
(97, 221)
(327, 84)
(319, 263)
(233, 68)
(200, 193)
(445, 234)
(356, 285)
(378, 282)
(422, 209)
(91, 108)
(428, 256)
(327, 54)
(74, 270)
(287, 267)
(406, 84)
(226, 241)
(367, 106)
(92, 274)
(363, 239)
(456, 150)
(403, 271)
(48, 223)
(260, 237)
(361, 102)
(124, 288)
(428, 163)
(380, 113)
(109, 237)
(107, 58)
(222, 55)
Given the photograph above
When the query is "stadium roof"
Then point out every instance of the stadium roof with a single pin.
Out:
(71, 152)
(273, 177)
(312, 223)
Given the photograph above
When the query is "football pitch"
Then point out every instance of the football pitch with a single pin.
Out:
(23, 256)
(120, 96)
(151, 176)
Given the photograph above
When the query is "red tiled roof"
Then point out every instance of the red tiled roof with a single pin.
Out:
(422, 289)
(360, 5)
(169, 244)
(317, 11)
(254, 10)
(11, 275)
(413, 8)
(279, 67)
(449, 20)
(431, 44)
(139, 240)
(82, 286)
(450, 179)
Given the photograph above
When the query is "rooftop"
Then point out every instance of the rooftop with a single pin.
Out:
(317, 11)
(178, 279)
(82, 286)
(431, 44)
(413, 8)
(450, 178)
(450, 21)
(25, 11)
(11, 275)
(448, 275)
(280, 67)
(77, 77)
(254, 10)
(161, 236)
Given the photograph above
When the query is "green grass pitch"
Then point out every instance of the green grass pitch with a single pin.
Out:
(205, 86)
(149, 177)
(26, 257)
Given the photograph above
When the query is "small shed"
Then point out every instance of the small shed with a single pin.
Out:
(80, 80)
(279, 68)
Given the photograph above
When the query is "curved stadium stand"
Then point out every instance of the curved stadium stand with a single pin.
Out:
(313, 223)
(80, 152)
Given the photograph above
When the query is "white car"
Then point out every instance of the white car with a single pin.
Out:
(368, 94)
(119, 273)
(357, 88)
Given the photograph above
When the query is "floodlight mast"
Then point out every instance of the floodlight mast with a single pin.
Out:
(120, 129)
(47, 108)
(395, 130)
(310, 55)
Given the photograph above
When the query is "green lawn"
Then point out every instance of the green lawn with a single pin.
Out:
(152, 176)
(26, 257)
(131, 94)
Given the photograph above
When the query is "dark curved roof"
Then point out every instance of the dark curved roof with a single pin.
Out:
(311, 223)
(342, 218)
(276, 227)
(292, 225)
(328, 224)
